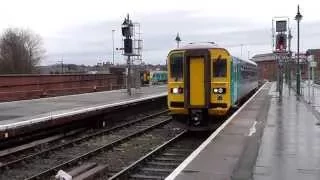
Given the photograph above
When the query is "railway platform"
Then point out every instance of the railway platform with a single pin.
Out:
(19, 117)
(267, 138)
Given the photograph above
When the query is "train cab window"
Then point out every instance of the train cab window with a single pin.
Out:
(176, 66)
(219, 67)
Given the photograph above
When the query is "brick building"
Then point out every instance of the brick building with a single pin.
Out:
(267, 67)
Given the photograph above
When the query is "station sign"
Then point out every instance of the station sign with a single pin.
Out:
(313, 64)
(310, 58)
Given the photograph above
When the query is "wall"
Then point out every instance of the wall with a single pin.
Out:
(18, 87)
(267, 70)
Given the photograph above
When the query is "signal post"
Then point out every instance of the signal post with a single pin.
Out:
(282, 55)
(132, 47)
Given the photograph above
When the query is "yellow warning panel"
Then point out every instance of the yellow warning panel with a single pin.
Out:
(197, 93)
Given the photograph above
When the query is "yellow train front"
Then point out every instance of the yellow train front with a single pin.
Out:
(205, 82)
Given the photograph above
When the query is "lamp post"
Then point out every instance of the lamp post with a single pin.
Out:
(113, 46)
(289, 61)
(61, 62)
(178, 39)
(298, 18)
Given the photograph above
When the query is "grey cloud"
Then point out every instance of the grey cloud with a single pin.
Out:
(88, 42)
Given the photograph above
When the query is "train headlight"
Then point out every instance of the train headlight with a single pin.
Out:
(219, 90)
(175, 90)
(178, 90)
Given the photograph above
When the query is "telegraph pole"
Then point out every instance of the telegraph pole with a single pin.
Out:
(290, 59)
(113, 46)
(61, 62)
(178, 40)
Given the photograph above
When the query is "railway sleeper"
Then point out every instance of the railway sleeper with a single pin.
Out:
(155, 171)
(169, 159)
(169, 154)
(86, 171)
(157, 164)
(180, 150)
(138, 176)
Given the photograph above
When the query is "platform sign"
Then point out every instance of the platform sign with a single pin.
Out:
(310, 58)
(281, 26)
(313, 64)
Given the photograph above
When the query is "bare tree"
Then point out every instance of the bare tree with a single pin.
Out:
(20, 51)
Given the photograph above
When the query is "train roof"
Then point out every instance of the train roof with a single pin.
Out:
(209, 45)
(200, 45)
(245, 60)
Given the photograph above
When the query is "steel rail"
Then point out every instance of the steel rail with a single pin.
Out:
(127, 170)
(92, 152)
(7, 164)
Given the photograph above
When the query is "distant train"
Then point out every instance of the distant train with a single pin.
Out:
(159, 77)
(153, 77)
(205, 82)
(145, 77)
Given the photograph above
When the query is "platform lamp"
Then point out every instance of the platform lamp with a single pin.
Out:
(298, 18)
(178, 40)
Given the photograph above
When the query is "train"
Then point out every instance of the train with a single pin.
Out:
(205, 82)
(153, 77)
(145, 77)
(159, 77)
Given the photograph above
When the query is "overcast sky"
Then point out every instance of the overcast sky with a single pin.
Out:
(80, 31)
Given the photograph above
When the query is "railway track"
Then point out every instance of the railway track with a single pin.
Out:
(160, 162)
(46, 163)
(109, 117)
(20, 153)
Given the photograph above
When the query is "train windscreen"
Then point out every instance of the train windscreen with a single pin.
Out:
(176, 66)
(219, 68)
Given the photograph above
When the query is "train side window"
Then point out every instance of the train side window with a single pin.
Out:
(219, 67)
(176, 66)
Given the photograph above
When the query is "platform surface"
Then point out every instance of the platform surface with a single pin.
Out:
(290, 146)
(267, 139)
(27, 110)
(228, 153)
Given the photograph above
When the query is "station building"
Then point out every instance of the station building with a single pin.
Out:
(267, 66)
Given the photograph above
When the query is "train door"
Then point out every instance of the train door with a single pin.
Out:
(197, 81)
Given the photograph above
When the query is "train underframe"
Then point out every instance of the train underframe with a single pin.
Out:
(204, 119)
(199, 120)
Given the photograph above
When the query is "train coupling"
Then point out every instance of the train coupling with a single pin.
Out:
(196, 116)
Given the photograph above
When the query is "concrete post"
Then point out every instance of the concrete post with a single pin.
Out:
(309, 82)
(129, 76)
